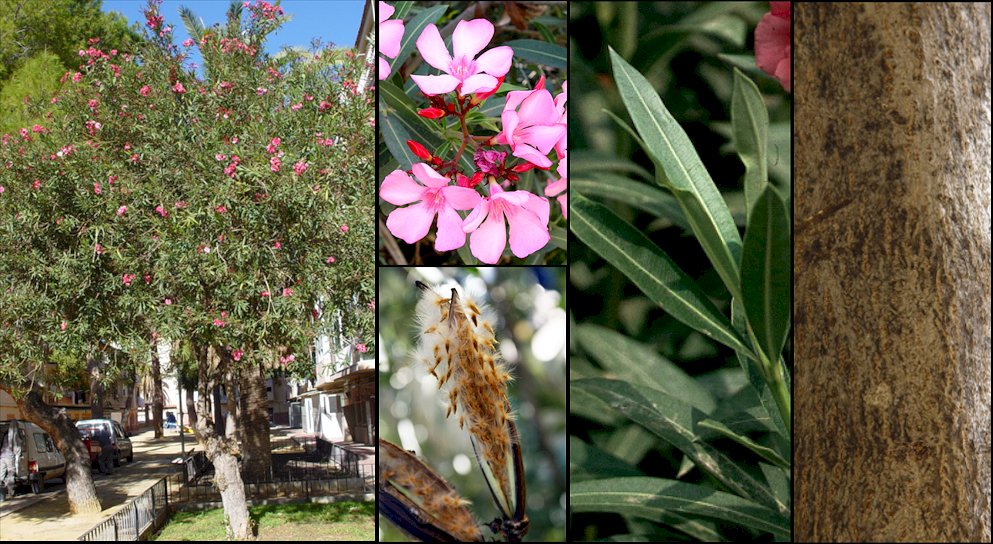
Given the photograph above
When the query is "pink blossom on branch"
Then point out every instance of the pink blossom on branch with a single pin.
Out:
(462, 69)
(532, 125)
(390, 34)
(434, 197)
(559, 186)
(528, 217)
(773, 42)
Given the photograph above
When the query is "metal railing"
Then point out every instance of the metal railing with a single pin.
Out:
(142, 514)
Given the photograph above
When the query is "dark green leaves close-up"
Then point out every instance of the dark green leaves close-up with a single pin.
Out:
(681, 358)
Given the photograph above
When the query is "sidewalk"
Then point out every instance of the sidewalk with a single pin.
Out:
(46, 517)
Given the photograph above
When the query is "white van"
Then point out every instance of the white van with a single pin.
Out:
(27, 456)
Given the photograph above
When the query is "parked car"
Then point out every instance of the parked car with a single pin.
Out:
(90, 429)
(27, 456)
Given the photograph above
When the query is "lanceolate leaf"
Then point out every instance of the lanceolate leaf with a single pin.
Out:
(631, 252)
(395, 137)
(653, 498)
(750, 130)
(666, 142)
(638, 363)
(549, 54)
(405, 112)
(766, 273)
(676, 423)
(754, 372)
(633, 193)
(765, 452)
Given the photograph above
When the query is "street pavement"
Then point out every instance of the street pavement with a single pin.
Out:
(46, 516)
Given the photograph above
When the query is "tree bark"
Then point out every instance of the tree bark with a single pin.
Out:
(158, 402)
(222, 452)
(255, 445)
(94, 366)
(892, 272)
(80, 491)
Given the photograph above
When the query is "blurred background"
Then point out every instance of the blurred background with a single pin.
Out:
(687, 50)
(531, 330)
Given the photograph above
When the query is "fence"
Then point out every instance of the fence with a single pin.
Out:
(144, 513)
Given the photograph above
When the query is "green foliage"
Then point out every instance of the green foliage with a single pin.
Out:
(25, 94)
(123, 219)
(338, 521)
(60, 27)
(680, 368)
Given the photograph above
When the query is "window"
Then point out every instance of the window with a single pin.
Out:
(39, 442)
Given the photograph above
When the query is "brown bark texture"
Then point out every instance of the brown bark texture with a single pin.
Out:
(80, 491)
(892, 272)
(222, 451)
(256, 447)
(158, 399)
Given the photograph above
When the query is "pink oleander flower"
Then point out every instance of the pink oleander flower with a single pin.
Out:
(287, 359)
(261, 91)
(275, 164)
(187, 42)
(773, 42)
(559, 186)
(463, 71)
(219, 323)
(287, 292)
(220, 209)
(489, 161)
(361, 348)
(264, 294)
(96, 188)
(296, 107)
(560, 99)
(63, 325)
(390, 34)
(330, 260)
(127, 279)
(237, 354)
(434, 197)
(343, 228)
(178, 88)
(300, 167)
(122, 210)
(167, 302)
(144, 90)
(532, 125)
(271, 148)
(277, 245)
(528, 217)
(160, 209)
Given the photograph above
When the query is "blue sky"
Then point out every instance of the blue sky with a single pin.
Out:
(335, 21)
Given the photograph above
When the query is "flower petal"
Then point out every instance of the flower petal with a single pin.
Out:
(384, 69)
(539, 206)
(390, 34)
(496, 61)
(433, 85)
(399, 189)
(539, 109)
(412, 223)
(476, 216)
(532, 155)
(429, 176)
(527, 232)
(470, 37)
(433, 48)
(450, 235)
(385, 11)
(461, 198)
(542, 137)
(479, 83)
(489, 240)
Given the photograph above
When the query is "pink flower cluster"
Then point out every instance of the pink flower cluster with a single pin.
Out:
(533, 126)
(390, 34)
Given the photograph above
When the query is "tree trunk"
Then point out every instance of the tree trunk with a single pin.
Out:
(221, 451)
(255, 445)
(158, 402)
(94, 366)
(80, 491)
(892, 278)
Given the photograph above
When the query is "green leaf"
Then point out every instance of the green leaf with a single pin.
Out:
(591, 161)
(395, 137)
(676, 423)
(638, 363)
(587, 462)
(645, 197)
(631, 252)
(548, 54)
(753, 370)
(673, 153)
(766, 273)
(584, 404)
(427, 131)
(402, 9)
(411, 30)
(560, 238)
(750, 124)
(762, 451)
(653, 498)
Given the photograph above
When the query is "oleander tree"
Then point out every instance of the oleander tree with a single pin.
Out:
(226, 210)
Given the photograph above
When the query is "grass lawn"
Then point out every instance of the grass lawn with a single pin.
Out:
(302, 521)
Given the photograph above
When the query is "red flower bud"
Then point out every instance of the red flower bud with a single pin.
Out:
(486, 94)
(523, 167)
(419, 150)
(432, 113)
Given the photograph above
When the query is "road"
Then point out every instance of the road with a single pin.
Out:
(46, 516)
